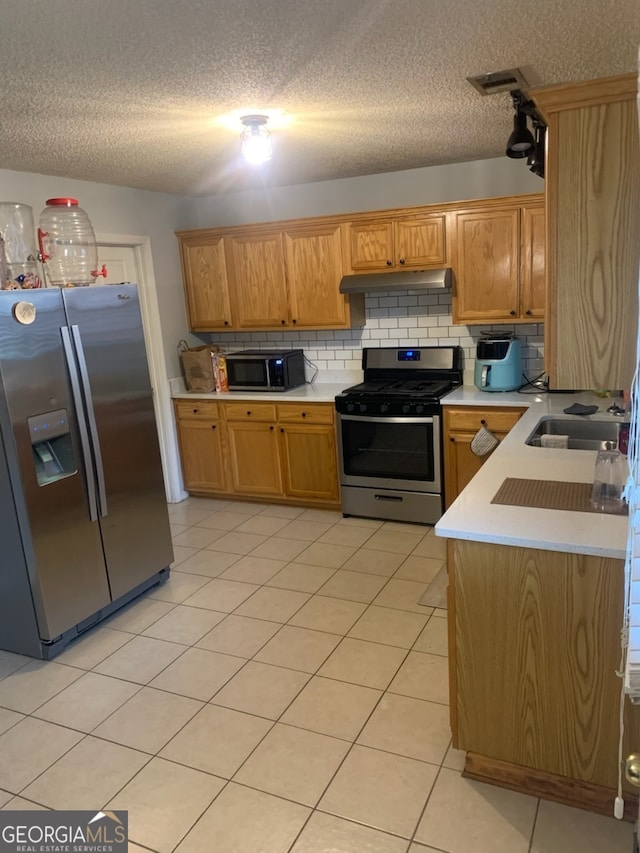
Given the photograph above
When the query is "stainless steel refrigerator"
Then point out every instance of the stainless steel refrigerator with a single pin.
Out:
(83, 516)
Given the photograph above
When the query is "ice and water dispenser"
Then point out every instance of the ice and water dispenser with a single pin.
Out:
(51, 446)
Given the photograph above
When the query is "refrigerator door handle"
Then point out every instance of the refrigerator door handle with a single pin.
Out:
(91, 419)
(82, 426)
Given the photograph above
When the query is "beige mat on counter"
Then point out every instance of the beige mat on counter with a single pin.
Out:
(544, 494)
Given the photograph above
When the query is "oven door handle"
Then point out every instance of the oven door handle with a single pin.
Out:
(365, 419)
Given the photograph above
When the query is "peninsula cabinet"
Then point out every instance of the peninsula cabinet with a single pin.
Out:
(593, 223)
(534, 645)
(499, 263)
(284, 452)
(382, 245)
(460, 425)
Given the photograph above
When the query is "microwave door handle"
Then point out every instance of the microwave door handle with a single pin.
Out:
(82, 425)
(91, 419)
(268, 373)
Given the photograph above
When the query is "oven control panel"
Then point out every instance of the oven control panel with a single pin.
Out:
(372, 407)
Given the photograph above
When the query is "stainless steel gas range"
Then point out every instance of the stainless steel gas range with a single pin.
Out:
(389, 435)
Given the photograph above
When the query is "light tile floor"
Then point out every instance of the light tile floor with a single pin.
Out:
(282, 692)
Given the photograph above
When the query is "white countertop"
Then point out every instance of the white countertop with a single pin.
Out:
(473, 516)
(318, 392)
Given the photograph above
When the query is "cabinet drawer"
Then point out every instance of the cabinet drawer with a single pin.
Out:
(250, 411)
(471, 418)
(299, 413)
(206, 409)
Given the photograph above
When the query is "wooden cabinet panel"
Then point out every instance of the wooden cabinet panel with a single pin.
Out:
(460, 427)
(257, 276)
(532, 286)
(420, 241)
(204, 273)
(250, 411)
(535, 664)
(309, 413)
(195, 409)
(201, 455)
(314, 269)
(488, 266)
(254, 459)
(309, 461)
(593, 222)
(371, 245)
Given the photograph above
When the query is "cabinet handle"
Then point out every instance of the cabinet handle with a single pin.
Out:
(271, 428)
(513, 313)
(401, 260)
(528, 311)
(483, 423)
(248, 413)
(281, 429)
(304, 414)
(283, 322)
(451, 439)
(226, 322)
(294, 321)
(389, 263)
(213, 426)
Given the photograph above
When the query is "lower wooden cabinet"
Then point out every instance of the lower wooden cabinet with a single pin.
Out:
(282, 452)
(461, 423)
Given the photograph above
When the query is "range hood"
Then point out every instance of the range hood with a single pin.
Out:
(404, 280)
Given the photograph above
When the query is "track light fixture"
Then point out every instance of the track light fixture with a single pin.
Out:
(535, 160)
(521, 142)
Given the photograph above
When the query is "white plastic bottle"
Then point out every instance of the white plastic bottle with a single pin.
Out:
(68, 244)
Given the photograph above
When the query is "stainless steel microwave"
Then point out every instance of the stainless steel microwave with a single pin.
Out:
(265, 370)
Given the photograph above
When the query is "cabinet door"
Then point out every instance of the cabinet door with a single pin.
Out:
(309, 462)
(205, 282)
(254, 458)
(259, 289)
(488, 266)
(314, 269)
(420, 241)
(462, 464)
(532, 282)
(201, 454)
(371, 245)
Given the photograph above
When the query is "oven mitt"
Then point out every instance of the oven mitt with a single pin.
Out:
(483, 442)
(579, 409)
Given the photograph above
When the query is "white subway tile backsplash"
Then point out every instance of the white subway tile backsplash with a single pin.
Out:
(404, 318)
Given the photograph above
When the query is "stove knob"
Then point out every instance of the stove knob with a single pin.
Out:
(363, 407)
(406, 408)
(384, 408)
(350, 407)
(419, 409)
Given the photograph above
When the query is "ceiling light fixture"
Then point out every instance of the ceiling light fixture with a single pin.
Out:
(521, 142)
(256, 140)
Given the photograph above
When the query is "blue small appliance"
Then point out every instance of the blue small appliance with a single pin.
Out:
(498, 363)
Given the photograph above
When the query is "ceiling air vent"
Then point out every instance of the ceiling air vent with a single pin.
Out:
(499, 81)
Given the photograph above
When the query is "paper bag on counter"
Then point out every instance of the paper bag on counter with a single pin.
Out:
(198, 366)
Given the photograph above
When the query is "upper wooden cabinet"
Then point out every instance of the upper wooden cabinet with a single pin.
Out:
(313, 257)
(259, 278)
(394, 243)
(258, 284)
(204, 272)
(499, 263)
(593, 223)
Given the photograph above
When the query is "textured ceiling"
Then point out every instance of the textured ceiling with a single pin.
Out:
(130, 92)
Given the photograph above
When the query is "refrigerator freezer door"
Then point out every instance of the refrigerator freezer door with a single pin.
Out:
(118, 397)
(62, 546)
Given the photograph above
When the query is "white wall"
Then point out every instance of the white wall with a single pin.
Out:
(431, 185)
(120, 210)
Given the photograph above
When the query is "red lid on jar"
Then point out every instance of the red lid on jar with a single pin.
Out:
(67, 202)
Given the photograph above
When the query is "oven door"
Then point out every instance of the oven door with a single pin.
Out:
(390, 453)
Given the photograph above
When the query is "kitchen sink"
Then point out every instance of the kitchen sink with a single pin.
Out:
(584, 434)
